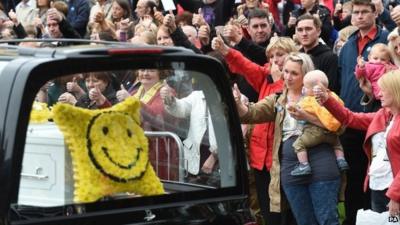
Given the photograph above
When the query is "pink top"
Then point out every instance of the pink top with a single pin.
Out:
(372, 72)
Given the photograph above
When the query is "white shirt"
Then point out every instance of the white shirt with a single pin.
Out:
(380, 172)
(23, 11)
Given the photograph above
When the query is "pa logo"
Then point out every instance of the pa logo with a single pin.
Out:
(393, 219)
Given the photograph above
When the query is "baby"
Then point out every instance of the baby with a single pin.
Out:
(379, 62)
(313, 135)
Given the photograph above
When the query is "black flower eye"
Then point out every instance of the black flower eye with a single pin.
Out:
(129, 133)
(105, 130)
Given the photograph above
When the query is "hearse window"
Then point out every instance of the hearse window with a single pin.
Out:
(106, 135)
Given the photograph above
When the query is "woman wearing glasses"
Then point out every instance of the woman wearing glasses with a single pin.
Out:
(313, 198)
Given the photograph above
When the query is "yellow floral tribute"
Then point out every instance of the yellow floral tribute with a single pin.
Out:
(109, 151)
(40, 113)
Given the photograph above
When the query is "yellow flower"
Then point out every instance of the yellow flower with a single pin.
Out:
(40, 113)
(109, 150)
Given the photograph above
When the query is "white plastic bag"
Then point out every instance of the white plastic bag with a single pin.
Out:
(369, 217)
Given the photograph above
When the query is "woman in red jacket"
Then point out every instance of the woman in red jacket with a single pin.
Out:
(266, 80)
(382, 141)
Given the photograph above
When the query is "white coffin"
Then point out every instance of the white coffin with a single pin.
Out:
(46, 177)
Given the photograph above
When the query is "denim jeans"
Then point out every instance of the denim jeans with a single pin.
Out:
(314, 203)
(379, 201)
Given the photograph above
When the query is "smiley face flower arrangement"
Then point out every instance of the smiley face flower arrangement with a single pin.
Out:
(109, 151)
(40, 113)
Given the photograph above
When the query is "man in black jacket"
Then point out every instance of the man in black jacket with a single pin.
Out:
(308, 31)
(58, 27)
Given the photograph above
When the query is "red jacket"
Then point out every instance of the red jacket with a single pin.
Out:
(259, 78)
(374, 123)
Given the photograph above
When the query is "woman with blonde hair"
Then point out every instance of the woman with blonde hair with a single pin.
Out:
(313, 198)
(266, 80)
(382, 141)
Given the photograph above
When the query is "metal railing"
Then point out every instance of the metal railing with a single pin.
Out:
(167, 137)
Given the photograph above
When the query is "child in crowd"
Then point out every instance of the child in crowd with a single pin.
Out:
(313, 135)
(379, 63)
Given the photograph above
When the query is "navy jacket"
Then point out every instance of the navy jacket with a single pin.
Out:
(78, 15)
(350, 92)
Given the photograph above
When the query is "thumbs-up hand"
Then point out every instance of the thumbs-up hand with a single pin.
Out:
(37, 22)
(13, 17)
(218, 44)
(292, 20)
(96, 96)
(158, 16)
(204, 35)
(166, 94)
(240, 9)
(169, 22)
(74, 87)
(316, 15)
(122, 94)
(379, 8)
(232, 32)
(338, 9)
(99, 16)
(198, 19)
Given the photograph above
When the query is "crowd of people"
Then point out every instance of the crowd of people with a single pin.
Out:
(341, 118)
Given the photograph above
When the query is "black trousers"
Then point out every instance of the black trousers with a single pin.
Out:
(355, 198)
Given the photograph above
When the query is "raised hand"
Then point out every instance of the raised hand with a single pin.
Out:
(96, 96)
(242, 20)
(167, 94)
(316, 15)
(67, 98)
(99, 16)
(37, 22)
(204, 35)
(232, 32)
(169, 22)
(379, 8)
(338, 9)
(218, 44)
(198, 19)
(74, 87)
(122, 94)
(158, 16)
(240, 9)
(240, 105)
(292, 20)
